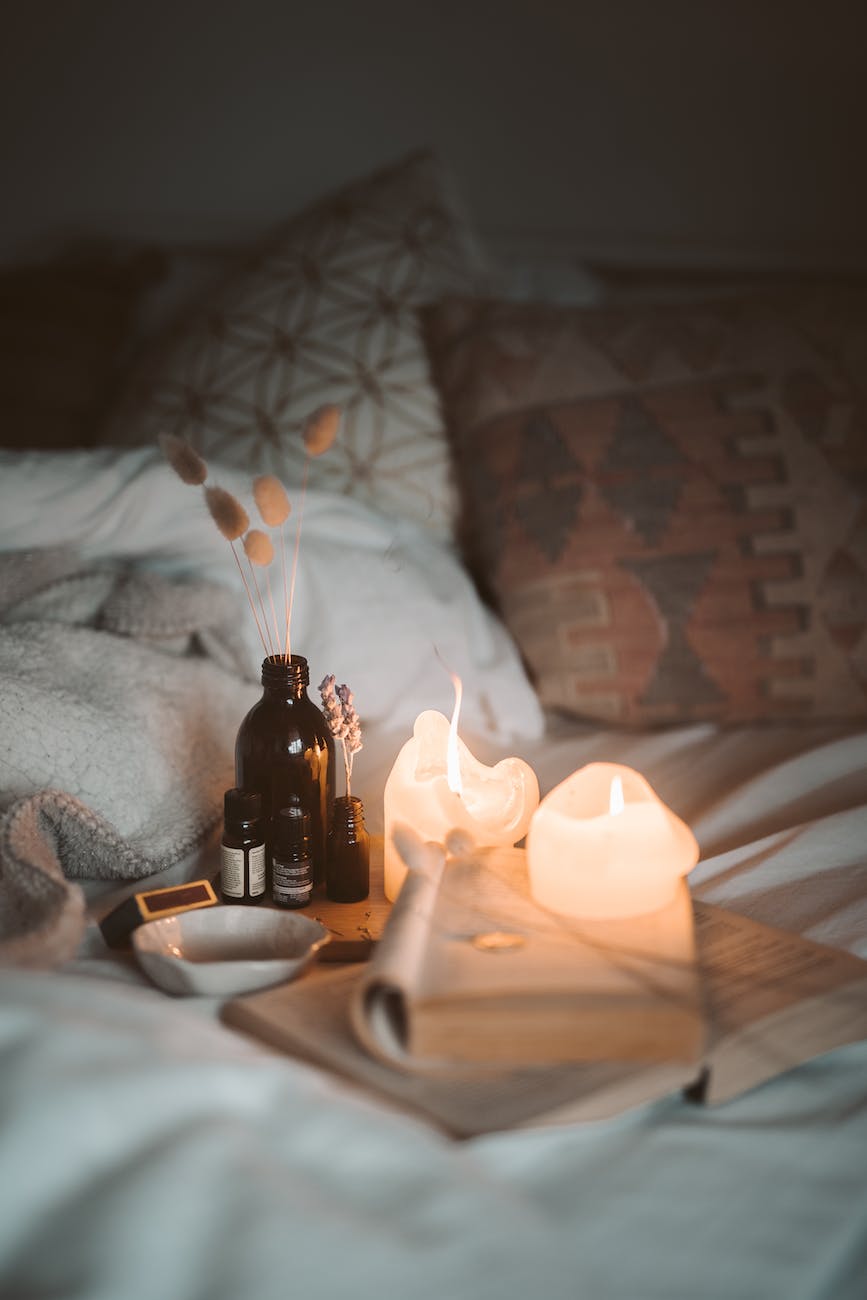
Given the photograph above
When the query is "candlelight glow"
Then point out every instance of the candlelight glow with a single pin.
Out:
(491, 806)
(603, 844)
(453, 762)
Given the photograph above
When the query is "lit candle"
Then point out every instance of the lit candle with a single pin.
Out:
(603, 844)
(436, 786)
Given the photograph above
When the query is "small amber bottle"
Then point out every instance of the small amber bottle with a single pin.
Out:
(292, 856)
(242, 848)
(348, 879)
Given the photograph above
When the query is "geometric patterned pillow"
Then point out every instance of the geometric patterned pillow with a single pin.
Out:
(669, 503)
(323, 311)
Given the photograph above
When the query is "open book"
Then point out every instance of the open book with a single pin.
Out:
(771, 1000)
(471, 970)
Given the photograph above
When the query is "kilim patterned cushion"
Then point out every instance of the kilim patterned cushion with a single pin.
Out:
(669, 504)
(324, 312)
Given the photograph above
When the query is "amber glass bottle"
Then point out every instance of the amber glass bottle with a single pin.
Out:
(348, 879)
(242, 848)
(292, 857)
(285, 751)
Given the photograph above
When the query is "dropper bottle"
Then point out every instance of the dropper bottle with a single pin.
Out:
(242, 848)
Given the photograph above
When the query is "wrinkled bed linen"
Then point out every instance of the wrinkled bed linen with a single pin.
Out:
(180, 1159)
(379, 602)
(120, 740)
(118, 734)
(146, 1150)
(176, 1160)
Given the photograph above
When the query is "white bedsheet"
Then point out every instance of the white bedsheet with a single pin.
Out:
(376, 598)
(147, 1151)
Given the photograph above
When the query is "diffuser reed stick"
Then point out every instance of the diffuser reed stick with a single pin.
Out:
(233, 521)
(274, 508)
(260, 552)
(319, 433)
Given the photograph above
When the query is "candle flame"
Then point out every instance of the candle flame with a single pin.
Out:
(453, 766)
(616, 801)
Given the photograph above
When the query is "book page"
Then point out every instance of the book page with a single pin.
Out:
(377, 1008)
(774, 998)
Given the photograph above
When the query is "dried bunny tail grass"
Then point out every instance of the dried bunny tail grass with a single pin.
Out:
(232, 520)
(187, 463)
(227, 513)
(320, 429)
(258, 548)
(271, 500)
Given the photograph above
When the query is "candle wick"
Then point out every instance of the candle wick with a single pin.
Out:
(453, 761)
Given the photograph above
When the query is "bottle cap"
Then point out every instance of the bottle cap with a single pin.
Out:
(277, 672)
(242, 806)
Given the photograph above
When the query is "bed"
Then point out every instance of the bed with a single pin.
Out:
(642, 539)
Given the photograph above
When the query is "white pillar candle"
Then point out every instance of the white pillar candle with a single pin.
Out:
(603, 844)
(434, 796)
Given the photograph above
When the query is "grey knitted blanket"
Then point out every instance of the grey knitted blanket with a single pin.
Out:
(120, 696)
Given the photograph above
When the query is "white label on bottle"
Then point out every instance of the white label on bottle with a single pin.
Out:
(292, 882)
(257, 870)
(232, 872)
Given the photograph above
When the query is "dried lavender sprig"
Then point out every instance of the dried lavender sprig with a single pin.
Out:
(343, 721)
(332, 708)
(351, 720)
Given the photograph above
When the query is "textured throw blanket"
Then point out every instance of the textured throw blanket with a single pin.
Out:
(120, 697)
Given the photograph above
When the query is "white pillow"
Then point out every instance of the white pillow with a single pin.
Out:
(376, 599)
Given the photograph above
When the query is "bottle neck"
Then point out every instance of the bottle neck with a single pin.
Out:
(285, 680)
(350, 810)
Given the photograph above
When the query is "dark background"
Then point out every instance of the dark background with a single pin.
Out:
(722, 132)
